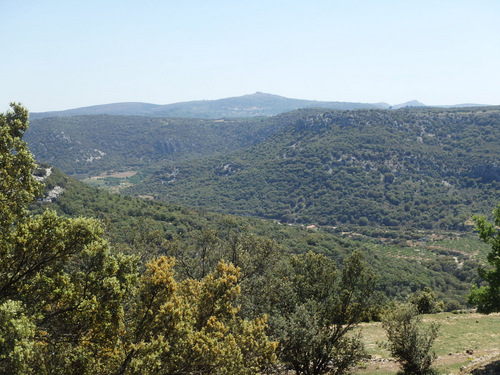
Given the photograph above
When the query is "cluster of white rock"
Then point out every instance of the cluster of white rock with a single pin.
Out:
(52, 194)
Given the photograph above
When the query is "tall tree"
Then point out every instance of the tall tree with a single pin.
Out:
(317, 309)
(487, 298)
(17, 185)
(61, 290)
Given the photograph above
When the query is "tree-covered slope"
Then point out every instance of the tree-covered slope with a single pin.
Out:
(423, 168)
(152, 228)
(90, 145)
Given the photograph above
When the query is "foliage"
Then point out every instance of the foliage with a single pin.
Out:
(192, 327)
(17, 332)
(317, 309)
(413, 168)
(409, 341)
(425, 301)
(58, 283)
(69, 304)
(487, 298)
(17, 186)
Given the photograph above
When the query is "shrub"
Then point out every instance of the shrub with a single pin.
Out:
(409, 341)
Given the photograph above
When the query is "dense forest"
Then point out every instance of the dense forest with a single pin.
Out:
(411, 168)
(152, 228)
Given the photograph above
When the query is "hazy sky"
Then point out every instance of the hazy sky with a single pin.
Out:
(66, 54)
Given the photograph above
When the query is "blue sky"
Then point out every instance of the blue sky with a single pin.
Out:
(66, 54)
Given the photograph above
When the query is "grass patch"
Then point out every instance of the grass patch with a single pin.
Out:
(470, 245)
(114, 181)
(476, 333)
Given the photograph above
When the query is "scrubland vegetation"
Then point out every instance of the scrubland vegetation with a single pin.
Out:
(101, 283)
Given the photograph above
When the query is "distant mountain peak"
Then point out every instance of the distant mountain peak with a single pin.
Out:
(257, 104)
(411, 103)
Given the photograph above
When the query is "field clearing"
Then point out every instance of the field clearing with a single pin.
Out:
(115, 175)
(113, 181)
(468, 340)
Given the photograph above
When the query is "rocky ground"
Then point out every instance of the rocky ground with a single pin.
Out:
(489, 365)
(479, 363)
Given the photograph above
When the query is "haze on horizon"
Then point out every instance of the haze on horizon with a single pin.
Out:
(61, 55)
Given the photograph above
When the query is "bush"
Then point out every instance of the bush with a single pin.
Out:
(426, 301)
(409, 341)
(317, 309)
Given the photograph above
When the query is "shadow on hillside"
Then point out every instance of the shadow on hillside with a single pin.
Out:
(489, 369)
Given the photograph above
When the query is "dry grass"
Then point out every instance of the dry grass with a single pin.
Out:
(478, 334)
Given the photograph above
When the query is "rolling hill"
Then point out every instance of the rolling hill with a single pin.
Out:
(258, 104)
(413, 168)
(420, 168)
(89, 145)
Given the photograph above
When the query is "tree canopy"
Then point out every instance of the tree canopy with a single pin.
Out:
(487, 297)
(316, 311)
(71, 305)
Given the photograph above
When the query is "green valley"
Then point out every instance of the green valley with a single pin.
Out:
(404, 261)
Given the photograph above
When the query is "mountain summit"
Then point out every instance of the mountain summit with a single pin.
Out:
(411, 103)
(258, 104)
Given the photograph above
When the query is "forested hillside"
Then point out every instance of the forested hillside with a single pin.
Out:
(415, 168)
(90, 145)
(152, 228)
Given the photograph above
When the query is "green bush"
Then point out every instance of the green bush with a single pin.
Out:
(409, 341)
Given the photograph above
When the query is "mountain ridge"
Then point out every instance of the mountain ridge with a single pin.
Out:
(250, 105)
